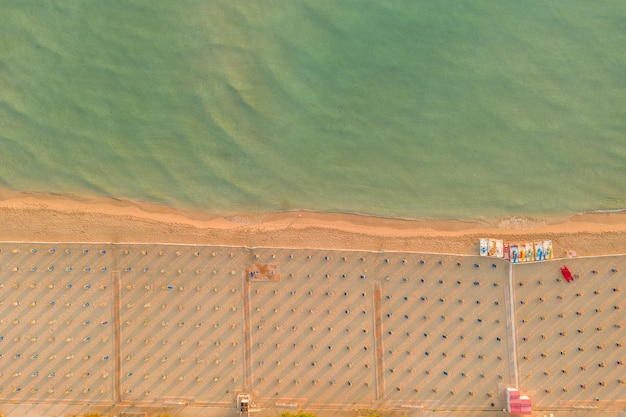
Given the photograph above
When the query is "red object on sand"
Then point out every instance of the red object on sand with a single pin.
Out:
(566, 274)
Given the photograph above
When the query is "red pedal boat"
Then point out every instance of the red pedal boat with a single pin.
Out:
(567, 274)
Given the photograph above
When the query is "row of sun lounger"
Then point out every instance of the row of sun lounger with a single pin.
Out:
(517, 252)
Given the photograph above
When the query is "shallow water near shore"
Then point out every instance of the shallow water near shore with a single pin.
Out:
(415, 110)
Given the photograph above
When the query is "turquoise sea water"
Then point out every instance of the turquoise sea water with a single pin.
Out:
(420, 109)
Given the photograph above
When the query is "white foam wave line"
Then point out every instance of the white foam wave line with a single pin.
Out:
(617, 210)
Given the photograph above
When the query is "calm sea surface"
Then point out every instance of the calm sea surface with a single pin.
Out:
(420, 109)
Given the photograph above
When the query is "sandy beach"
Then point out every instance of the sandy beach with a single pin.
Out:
(158, 308)
(34, 217)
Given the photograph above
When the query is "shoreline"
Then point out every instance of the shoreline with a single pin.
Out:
(42, 217)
